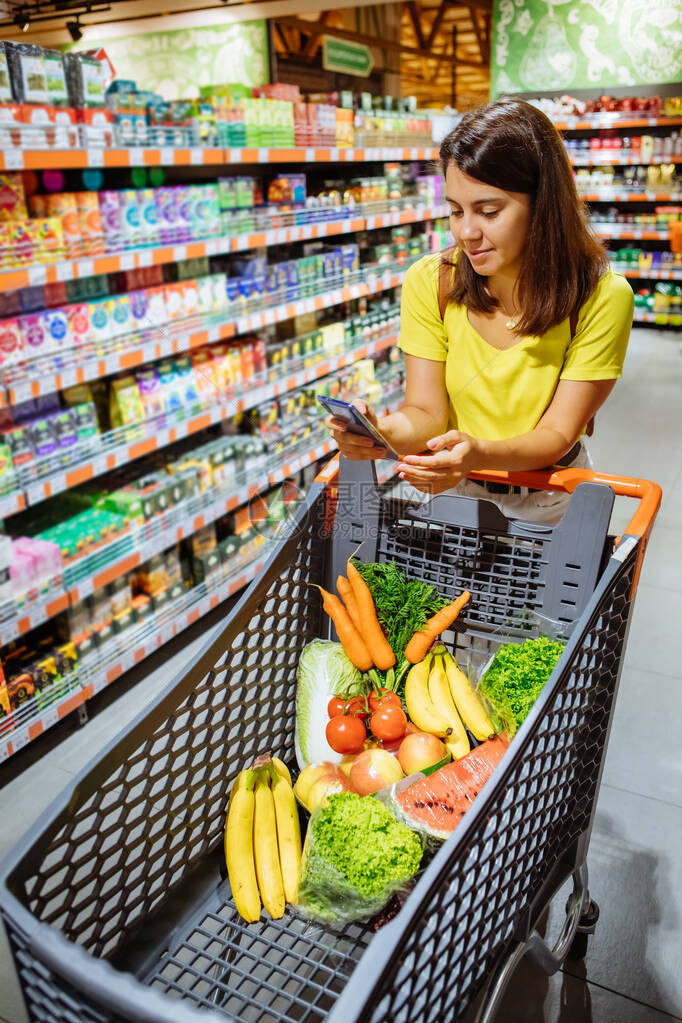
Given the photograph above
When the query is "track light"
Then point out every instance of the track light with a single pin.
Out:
(75, 30)
(21, 21)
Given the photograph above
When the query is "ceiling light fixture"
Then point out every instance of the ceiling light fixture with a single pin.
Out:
(74, 29)
(21, 21)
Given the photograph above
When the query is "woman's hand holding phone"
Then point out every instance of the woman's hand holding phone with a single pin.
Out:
(353, 445)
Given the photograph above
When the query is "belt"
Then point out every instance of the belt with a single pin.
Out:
(507, 488)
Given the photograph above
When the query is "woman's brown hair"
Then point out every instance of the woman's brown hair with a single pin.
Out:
(513, 146)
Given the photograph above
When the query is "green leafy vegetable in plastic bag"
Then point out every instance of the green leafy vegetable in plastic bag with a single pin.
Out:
(515, 679)
(355, 858)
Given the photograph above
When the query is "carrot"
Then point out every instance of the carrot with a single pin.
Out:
(349, 637)
(417, 648)
(368, 623)
(348, 597)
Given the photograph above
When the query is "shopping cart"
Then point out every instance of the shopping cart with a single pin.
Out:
(117, 904)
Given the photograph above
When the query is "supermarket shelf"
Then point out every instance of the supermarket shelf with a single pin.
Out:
(41, 376)
(629, 233)
(659, 319)
(107, 663)
(615, 158)
(590, 121)
(648, 275)
(131, 259)
(629, 195)
(11, 503)
(197, 156)
(139, 544)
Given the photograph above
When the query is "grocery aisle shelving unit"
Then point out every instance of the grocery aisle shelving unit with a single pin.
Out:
(630, 198)
(46, 477)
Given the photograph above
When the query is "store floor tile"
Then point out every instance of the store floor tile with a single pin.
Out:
(648, 706)
(532, 997)
(631, 973)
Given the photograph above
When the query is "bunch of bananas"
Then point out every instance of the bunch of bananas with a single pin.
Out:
(441, 700)
(263, 839)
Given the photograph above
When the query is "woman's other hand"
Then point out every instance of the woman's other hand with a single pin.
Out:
(454, 456)
(354, 445)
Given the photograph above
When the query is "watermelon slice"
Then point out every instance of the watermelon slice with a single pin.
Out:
(435, 805)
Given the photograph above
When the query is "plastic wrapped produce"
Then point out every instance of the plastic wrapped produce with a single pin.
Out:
(355, 858)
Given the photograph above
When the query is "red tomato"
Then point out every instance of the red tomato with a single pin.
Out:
(357, 707)
(345, 733)
(388, 723)
(335, 706)
(384, 698)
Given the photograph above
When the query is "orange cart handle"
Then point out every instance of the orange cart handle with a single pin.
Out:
(647, 493)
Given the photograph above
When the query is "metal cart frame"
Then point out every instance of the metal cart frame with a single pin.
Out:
(117, 904)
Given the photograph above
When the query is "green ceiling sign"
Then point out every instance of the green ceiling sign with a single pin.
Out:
(547, 45)
(346, 57)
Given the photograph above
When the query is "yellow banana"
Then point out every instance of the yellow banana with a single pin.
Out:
(457, 741)
(239, 847)
(282, 769)
(419, 704)
(468, 701)
(268, 870)
(288, 834)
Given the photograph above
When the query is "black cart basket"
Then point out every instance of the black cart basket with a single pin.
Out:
(117, 904)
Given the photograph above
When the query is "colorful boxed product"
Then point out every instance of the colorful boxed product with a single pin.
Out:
(139, 310)
(34, 336)
(149, 226)
(119, 315)
(11, 121)
(6, 95)
(151, 392)
(85, 80)
(27, 72)
(78, 316)
(95, 127)
(190, 298)
(130, 216)
(100, 326)
(10, 343)
(84, 418)
(64, 206)
(184, 375)
(12, 197)
(57, 328)
(110, 217)
(157, 312)
(174, 300)
(90, 221)
(125, 402)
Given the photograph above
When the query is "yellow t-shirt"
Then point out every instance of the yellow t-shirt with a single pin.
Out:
(499, 394)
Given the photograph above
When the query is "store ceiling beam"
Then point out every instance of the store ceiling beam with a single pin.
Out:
(359, 37)
(437, 22)
(480, 37)
(413, 11)
(315, 40)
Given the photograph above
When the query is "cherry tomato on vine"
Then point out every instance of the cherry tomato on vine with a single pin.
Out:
(335, 706)
(384, 698)
(388, 723)
(357, 706)
(346, 734)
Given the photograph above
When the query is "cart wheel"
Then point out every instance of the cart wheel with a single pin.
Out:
(578, 949)
(586, 926)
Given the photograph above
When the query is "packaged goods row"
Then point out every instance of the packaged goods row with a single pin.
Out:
(59, 427)
(658, 220)
(644, 147)
(558, 108)
(77, 524)
(664, 176)
(664, 297)
(639, 259)
(54, 100)
(45, 226)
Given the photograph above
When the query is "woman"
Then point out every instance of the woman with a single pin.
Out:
(535, 325)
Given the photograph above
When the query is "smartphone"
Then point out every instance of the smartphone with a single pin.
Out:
(356, 422)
